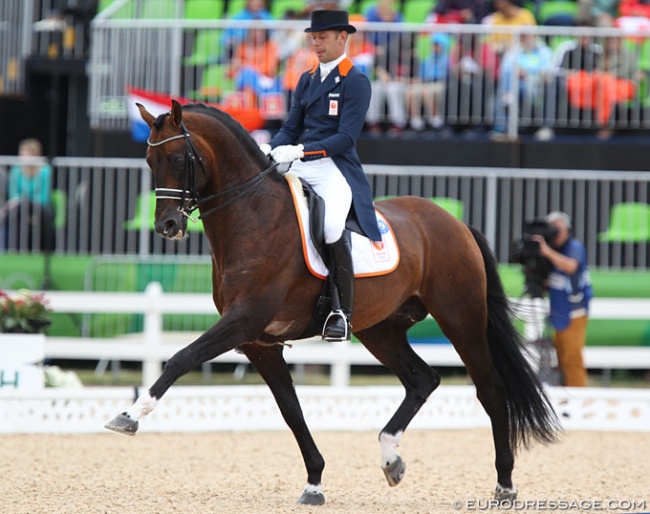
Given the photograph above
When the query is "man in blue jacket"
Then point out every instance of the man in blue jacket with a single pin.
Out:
(319, 137)
(570, 291)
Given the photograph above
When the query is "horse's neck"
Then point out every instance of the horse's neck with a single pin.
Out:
(256, 215)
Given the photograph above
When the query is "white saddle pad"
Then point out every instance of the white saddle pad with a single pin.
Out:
(369, 258)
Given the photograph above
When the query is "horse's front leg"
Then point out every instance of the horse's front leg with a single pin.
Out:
(229, 332)
(272, 367)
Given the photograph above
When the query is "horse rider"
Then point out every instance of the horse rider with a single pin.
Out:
(319, 136)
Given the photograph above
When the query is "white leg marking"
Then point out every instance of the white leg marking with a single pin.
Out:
(143, 406)
(314, 489)
(388, 444)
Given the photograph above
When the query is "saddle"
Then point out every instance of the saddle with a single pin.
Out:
(369, 258)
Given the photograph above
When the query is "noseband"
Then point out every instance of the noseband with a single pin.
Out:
(188, 197)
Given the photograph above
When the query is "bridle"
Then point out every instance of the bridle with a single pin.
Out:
(188, 197)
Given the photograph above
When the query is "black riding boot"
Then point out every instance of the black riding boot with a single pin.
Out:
(337, 326)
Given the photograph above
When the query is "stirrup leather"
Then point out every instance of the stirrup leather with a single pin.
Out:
(338, 313)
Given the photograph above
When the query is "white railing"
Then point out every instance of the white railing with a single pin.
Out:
(232, 408)
(154, 346)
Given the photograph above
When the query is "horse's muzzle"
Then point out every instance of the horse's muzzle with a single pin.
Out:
(173, 227)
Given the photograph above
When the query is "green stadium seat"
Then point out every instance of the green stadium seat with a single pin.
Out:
(453, 206)
(416, 11)
(551, 8)
(204, 9)
(235, 6)
(206, 48)
(145, 208)
(60, 207)
(159, 9)
(364, 5)
(628, 223)
(126, 12)
(215, 84)
(280, 7)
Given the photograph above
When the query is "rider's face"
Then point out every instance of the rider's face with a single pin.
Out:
(328, 44)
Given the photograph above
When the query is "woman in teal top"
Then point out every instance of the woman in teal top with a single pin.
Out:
(29, 194)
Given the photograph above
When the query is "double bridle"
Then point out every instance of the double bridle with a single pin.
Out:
(188, 197)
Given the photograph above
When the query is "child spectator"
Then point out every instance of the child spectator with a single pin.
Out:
(429, 84)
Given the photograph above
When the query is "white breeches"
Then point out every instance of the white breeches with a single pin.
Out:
(328, 181)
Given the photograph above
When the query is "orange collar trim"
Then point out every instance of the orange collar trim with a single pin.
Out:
(344, 67)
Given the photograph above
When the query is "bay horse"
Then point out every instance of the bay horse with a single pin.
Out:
(202, 158)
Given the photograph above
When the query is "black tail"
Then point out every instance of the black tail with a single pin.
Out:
(530, 413)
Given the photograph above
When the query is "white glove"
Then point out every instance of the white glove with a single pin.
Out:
(287, 153)
(266, 148)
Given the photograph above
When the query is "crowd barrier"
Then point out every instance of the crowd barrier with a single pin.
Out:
(153, 346)
(104, 206)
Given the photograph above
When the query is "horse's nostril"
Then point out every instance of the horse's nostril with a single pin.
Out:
(170, 228)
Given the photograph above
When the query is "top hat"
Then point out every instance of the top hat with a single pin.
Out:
(330, 20)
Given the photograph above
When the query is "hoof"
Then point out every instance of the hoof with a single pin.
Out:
(122, 424)
(394, 472)
(311, 498)
(505, 493)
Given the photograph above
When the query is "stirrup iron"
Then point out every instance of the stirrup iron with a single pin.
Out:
(337, 313)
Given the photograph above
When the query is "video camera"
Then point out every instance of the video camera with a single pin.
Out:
(525, 251)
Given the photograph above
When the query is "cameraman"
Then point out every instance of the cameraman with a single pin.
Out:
(569, 288)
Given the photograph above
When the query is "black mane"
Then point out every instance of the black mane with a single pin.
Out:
(233, 125)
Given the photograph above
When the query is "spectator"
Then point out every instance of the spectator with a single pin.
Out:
(600, 13)
(391, 71)
(569, 58)
(474, 67)
(508, 14)
(28, 210)
(459, 11)
(634, 8)
(429, 84)
(360, 50)
(615, 84)
(527, 66)
(597, 80)
(570, 291)
(253, 10)
(255, 65)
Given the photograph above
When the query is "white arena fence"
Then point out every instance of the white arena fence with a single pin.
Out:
(334, 407)
(104, 206)
(252, 408)
(154, 346)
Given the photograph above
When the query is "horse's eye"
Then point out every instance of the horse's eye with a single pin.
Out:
(176, 160)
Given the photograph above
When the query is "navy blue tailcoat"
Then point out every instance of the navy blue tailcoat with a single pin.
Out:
(327, 118)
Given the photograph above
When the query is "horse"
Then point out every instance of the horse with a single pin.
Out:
(201, 158)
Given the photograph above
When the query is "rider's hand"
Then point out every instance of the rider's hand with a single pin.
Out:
(287, 153)
(266, 148)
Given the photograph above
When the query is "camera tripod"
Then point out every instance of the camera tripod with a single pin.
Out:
(541, 353)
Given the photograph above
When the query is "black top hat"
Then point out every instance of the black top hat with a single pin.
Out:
(330, 20)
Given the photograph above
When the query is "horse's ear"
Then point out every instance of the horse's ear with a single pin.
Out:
(146, 115)
(177, 113)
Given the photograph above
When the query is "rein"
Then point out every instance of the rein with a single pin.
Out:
(192, 202)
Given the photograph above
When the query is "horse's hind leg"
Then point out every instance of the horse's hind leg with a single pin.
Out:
(388, 343)
(272, 367)
(472, 347)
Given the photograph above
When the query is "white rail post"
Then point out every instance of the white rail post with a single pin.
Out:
(340, 372)
(153, 328)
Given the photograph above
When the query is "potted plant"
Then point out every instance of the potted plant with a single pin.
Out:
(26, 313)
